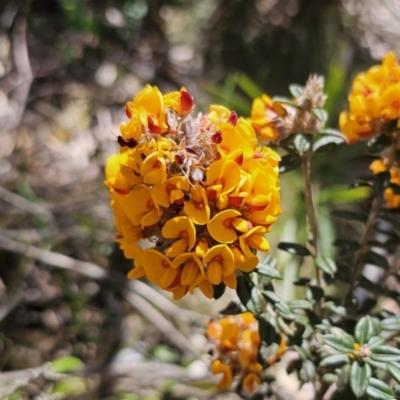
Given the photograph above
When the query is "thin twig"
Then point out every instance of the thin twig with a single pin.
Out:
(118, 281)
(311, 215)
(26, 205)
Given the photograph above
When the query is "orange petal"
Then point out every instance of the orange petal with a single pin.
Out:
(220, 226)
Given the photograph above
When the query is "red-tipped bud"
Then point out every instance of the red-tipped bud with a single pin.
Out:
(128, 112)
(186, 102)
(216, 138)
(233, 118)
(153, 128)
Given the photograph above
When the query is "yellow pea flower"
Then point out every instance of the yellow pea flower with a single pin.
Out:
(220, 262)
(171, 191)
(154, 169)
(197, 208)
(221, 227)
(222, 178)
(254, 239)
(180, 228)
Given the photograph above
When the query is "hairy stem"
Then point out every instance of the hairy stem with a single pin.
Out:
(311, 215)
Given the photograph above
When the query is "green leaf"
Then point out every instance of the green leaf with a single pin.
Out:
(302, 143)
(376, 259)
(320, 113)
(379, 390)
(359, 377)
(271, 296)
(330, 132)
(299, 304)
(326, 264)
(364, 330)
(350, 215)
(266, 270)
(335, 361)
(270, 261)
(375, 364)
(66, 365)
(219, 290)
(294, 248)
(289, 162)
(391, 324)
(284, 100)
(385, 354)
(248, 85)
(336, 309)
(327, 143)
(375, 341)
(248, 294)
(343, 345)
(378, 143)
(267, 329)
(233, 308)
(394, 372)
(296, 90)
(307, 371)
(282, 307)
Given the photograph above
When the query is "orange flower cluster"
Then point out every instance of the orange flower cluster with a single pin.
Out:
(391, 197)
(196, 187)
(374, 101)
(236, 340)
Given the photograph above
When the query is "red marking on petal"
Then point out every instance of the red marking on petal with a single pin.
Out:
(153, 128)
(235, 201)
(239, 160)
(180, 201)
(122, 191)
(257, 208)
(211, 194)
(258, 155)
(186, 102)
(176, 281)
(128, 112)
(233, 118)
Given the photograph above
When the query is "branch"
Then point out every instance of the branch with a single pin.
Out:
(118, 281)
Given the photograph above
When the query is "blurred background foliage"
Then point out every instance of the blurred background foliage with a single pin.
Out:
(60, 109)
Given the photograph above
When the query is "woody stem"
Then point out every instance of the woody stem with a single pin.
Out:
(311, 215)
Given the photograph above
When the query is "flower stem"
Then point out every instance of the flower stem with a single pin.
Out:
(311, 215)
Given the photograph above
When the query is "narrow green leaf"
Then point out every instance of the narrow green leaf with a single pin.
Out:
(378, 143)
(284, 100)
(294, 248)
(271, 296)
(336, 309)
(233, 308)
(385, 354)
(335, 361)
(394, 372)
(340, 344)
(302, 143)
(326, 264)
(270, 261)
(327, 143)
(376, 364)
(267, 329)
(391, 324)
(307, 371)
(296, 90)
(282, 307)
(375, 341)
(320, 113)
(248, 294)
(268, 271)
(330, 131)
(248, 85)
(382, 386)
(289, 162)
(364, 330)
(359, 377)
(377, 394)
(299, 304)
